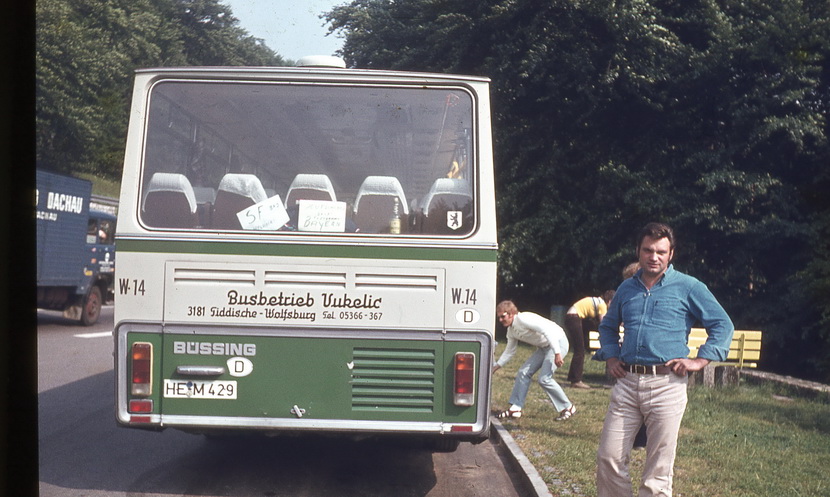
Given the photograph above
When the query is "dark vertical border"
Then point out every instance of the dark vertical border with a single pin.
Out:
(18, 351)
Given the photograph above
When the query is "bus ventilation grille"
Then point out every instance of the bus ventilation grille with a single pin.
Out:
(393, 380)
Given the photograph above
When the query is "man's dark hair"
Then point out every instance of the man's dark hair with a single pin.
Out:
(656, 231)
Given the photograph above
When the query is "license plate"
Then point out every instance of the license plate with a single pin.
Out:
(199, 389)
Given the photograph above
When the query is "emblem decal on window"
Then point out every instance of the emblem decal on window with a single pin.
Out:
(454, 220)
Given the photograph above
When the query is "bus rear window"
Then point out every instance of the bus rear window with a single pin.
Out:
(309, 158)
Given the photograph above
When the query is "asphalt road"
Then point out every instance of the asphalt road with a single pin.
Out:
(82, 451)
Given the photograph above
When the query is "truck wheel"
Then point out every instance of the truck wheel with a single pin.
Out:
(92, 306)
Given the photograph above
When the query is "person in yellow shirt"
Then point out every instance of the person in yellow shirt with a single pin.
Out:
(580, 319)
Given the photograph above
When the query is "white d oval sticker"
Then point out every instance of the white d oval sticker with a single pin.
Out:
(240, 366)
(467, 316)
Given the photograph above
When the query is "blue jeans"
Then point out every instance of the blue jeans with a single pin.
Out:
(541, 360)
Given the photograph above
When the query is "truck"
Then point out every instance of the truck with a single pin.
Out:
(75, 248)
(307, 250)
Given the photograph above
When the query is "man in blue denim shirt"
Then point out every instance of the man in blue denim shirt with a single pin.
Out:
(658, 307)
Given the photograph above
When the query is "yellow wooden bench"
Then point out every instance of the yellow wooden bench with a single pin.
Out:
(744, 351)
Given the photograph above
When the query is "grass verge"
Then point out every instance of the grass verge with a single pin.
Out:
(102, 186)
(734, 441)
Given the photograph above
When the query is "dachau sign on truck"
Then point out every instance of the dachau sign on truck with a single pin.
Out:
(307, 249)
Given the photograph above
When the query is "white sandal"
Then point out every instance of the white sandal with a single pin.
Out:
(566, 413)
(509, 414)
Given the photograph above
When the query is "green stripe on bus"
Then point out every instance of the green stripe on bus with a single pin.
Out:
(294, 250)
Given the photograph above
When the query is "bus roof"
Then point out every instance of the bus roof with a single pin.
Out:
(261, 71)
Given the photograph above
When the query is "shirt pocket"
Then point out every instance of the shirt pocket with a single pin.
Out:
(668, 312)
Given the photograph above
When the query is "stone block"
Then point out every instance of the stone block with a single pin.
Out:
(727, 375)
(695, 379)
(709, 376)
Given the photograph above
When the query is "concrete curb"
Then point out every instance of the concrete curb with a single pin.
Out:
(804, 387)
(532, 481)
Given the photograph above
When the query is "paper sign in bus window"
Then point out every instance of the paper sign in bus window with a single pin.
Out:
(322, 216)
(268, 215)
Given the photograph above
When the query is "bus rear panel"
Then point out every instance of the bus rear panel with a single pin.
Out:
(306, 250)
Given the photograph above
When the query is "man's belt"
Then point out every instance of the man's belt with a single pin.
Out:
(640, 369)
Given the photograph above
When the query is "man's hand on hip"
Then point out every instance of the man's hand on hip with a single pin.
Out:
(615, 367)
(681, 367)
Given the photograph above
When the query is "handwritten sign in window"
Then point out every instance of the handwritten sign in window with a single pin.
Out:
(268, 215)
(322, 216)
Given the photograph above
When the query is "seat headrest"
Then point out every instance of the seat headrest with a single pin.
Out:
(171, 182)
(246, 185)
(382, 185)
(447, 186)
(313, 182)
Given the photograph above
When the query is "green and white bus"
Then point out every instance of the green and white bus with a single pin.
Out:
(307, 249)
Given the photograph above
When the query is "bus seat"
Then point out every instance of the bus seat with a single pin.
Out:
(374, 204)
(205, 197)
(309, 187)
(169, 202)
(445, 195)
(204, 194)
(236, 193)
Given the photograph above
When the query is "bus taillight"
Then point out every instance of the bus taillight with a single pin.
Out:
(142, 368)
(464, 388)
(141, 405)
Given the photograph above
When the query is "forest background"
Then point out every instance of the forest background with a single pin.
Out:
(710, 115)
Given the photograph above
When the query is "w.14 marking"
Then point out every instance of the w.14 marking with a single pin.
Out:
(466, 296)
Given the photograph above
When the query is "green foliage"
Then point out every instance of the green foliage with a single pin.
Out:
(101, 186)
(86, 52)
(212, 37)
(709, 115)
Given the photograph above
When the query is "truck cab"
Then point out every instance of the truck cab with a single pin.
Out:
(100, 242)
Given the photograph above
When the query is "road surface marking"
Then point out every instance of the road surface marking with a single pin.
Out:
(100, 334)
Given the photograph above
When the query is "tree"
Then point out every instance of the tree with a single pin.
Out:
(709, 115)
(86, 52)
(212, 36)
